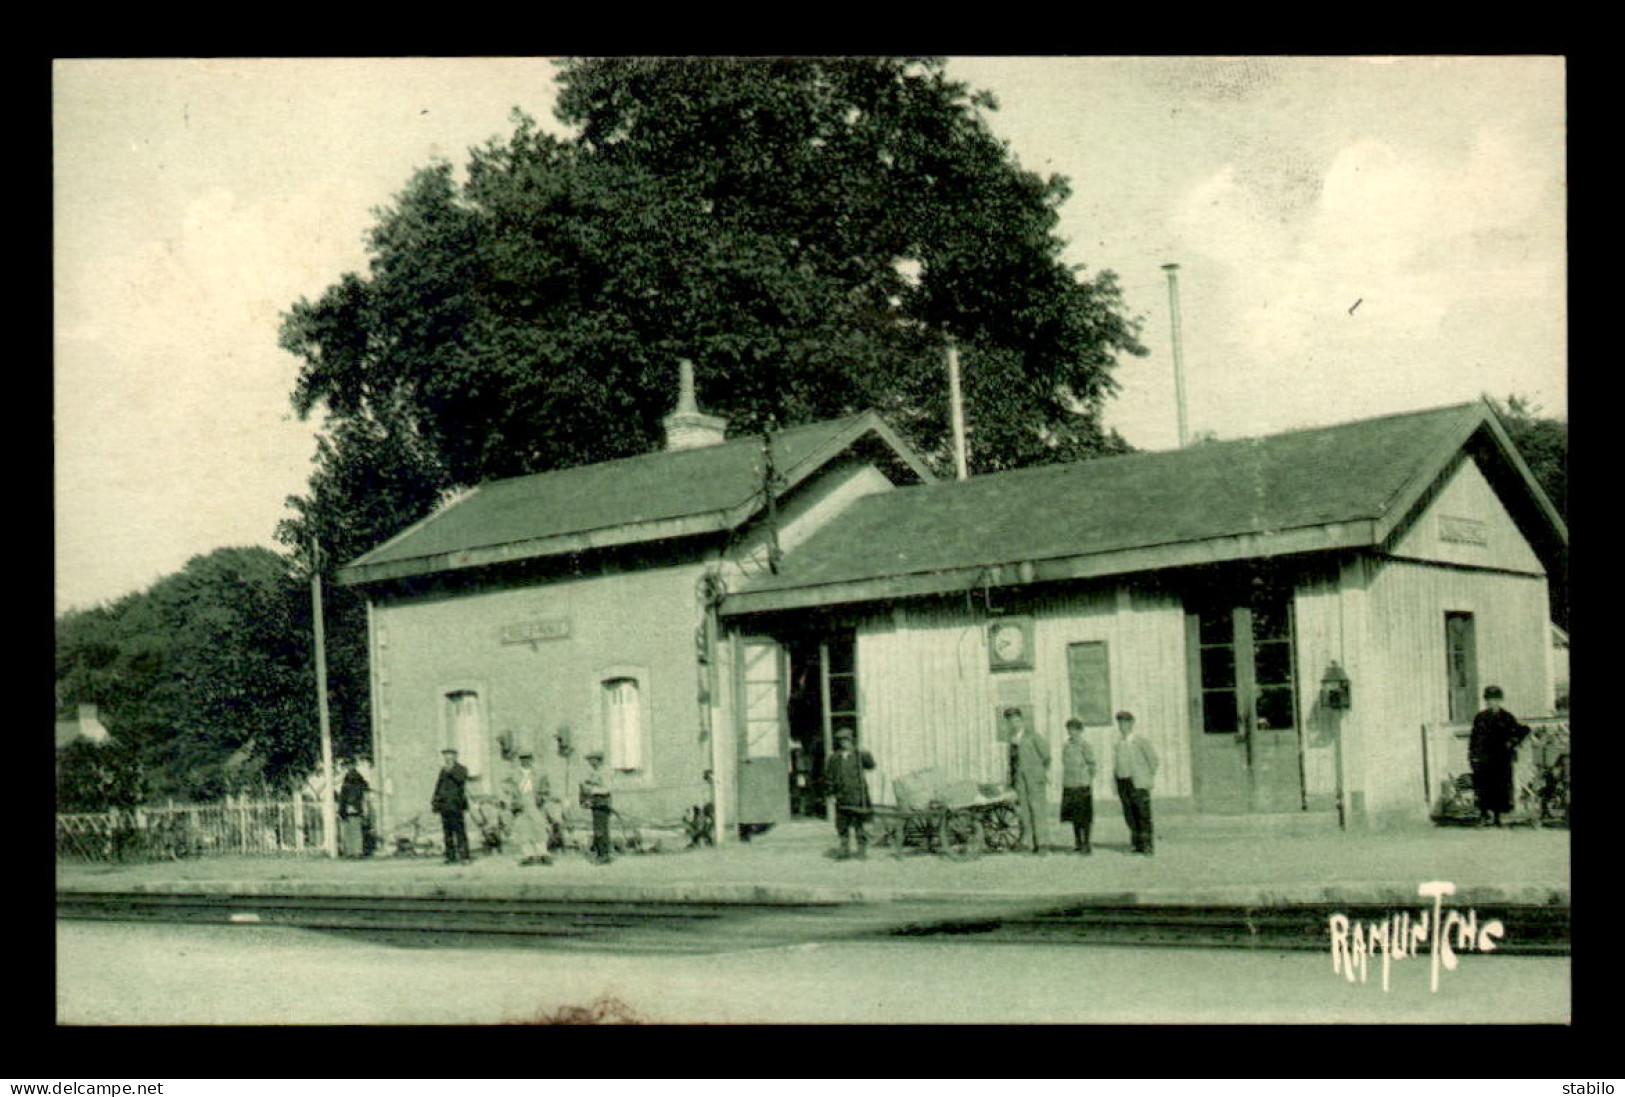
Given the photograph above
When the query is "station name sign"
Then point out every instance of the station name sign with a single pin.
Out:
(538, 628)
(1463, 531)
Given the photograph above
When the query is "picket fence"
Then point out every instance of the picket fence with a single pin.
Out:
(234, 826)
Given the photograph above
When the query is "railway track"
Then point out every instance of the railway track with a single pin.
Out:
(727, 927)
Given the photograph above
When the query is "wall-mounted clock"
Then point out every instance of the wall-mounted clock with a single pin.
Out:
(1010, 644)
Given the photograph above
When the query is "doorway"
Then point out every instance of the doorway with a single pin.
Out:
(1246, 751)
(823, 695)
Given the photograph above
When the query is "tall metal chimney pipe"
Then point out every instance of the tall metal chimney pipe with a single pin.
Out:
(1179, 358)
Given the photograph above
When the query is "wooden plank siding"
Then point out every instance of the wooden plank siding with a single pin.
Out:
(1320, 627)
(930, 700)
(1402, 683)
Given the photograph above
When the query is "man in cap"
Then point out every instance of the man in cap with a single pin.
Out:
(844, 780)
(1029, 777)
(595, 797)
(451, 801)
(1134, 764)
(1491, 749)
(526, 792)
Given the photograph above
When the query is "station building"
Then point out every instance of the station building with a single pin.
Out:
(1303, 623)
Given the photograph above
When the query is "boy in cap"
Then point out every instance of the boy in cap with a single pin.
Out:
(1134, 764)
(451, 800)
(1077, 785)
(595, 797)
(1491, 748)
(844, 780)
(526, 791)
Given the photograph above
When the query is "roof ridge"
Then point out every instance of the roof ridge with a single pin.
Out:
(736, 440)
(1054, 467)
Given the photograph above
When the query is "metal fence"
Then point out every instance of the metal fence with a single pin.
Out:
(157, 833)
(1540, 774)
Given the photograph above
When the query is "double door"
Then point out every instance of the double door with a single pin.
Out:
(1246, 749)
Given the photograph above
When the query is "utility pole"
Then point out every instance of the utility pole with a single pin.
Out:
(1179, 360)
(770, 491)
(330, 835)
(957, 411)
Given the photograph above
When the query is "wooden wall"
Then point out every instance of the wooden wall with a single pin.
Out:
(1319, 631)
(931, 701)
(1404, 663)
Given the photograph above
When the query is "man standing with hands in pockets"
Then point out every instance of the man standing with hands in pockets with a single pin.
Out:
(1134, 764)
(1029, 774)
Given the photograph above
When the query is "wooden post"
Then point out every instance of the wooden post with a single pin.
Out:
(956, 409)
(329, 820)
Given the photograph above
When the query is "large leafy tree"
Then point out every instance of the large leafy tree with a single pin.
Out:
(809, 232)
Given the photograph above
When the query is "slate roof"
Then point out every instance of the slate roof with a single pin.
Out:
(636, 498)
(1350, 473)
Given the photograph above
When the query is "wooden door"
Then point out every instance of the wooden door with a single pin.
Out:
(764, 736)
(1461, 666)
(1246, 753)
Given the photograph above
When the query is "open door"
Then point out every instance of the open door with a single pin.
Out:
(764, 739)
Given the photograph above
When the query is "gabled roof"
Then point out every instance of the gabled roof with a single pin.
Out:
(1354, 484)
(635, 499)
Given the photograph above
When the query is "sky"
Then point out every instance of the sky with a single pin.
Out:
(1354, 236)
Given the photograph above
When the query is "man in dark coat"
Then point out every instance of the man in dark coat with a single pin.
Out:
(844, 780)
(352, 812)
(1490, 750)
(451, 800)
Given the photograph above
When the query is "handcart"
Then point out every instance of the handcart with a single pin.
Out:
(957, 818)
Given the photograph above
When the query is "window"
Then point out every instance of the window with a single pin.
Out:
(841, 680)
(465, 728)
(625, 724)
(1461, 666)
(1088, 671)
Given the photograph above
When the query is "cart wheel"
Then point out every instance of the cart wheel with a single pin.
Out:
(920, 831)
(1001, 828)
(960, 835)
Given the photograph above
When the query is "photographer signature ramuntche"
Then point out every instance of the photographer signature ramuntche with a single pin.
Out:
(1401, 936)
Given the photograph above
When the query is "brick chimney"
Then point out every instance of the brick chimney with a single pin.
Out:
(688, 427)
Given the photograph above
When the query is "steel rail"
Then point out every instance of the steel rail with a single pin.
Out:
(724, 926)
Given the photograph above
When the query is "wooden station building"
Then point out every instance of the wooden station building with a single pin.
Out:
(1299, 621)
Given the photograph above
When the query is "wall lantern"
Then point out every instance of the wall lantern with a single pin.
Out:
(1335, 688)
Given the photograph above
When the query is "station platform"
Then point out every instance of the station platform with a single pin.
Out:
(794, 864)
